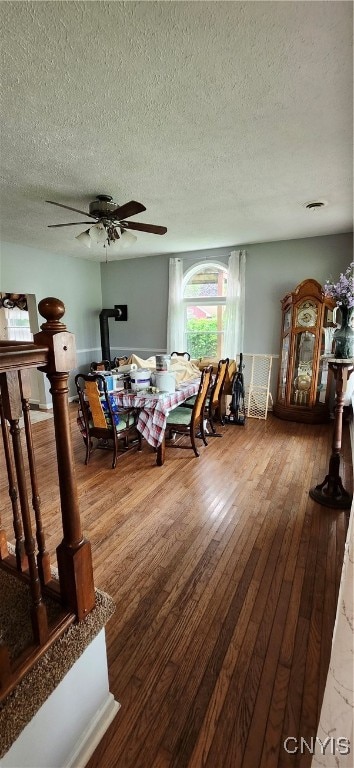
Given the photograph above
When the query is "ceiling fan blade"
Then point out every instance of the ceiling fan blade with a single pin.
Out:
(84, 213)
(128, 209)
(71, 224)
(138, 225)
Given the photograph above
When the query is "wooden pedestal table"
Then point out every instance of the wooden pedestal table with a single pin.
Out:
(331, 492)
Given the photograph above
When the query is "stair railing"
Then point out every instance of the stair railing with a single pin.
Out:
(53, 352)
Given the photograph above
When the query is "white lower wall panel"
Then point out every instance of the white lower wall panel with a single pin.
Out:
(69, 725)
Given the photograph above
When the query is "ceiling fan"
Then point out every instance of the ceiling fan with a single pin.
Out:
(111, 227)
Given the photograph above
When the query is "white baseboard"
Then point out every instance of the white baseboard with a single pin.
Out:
(93, 734)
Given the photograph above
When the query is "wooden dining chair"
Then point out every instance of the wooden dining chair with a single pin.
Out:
(186, 355)
(103, 365)
(214, 401)
(187, 421)
(112, 427)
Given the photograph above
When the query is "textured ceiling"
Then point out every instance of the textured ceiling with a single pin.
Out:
(222, 118)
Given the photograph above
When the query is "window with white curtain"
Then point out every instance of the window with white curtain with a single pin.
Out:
(206, 307)
(204, 302)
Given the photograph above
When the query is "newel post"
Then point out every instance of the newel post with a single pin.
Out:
(74, 552)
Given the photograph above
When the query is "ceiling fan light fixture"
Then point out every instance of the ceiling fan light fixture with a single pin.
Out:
(98, 233)
(110, 228)
(127, 239)
(84, 238)
(113, 234)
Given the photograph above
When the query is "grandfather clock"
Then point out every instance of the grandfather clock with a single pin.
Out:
(306, 335)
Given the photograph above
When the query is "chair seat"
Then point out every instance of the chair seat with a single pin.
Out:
(120, 424)
(180, 415)
(123, 417)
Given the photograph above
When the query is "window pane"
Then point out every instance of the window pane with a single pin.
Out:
(16, 325)
(206, 282)
(205, 331)
(23, 323)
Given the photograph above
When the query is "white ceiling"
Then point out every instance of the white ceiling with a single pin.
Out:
(223, 118)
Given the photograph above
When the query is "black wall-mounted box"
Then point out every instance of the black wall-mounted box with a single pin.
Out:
(122, 311)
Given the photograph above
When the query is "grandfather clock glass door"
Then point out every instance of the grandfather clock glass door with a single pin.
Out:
(306, 325)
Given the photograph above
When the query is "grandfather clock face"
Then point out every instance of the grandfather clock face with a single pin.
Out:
(306, 315)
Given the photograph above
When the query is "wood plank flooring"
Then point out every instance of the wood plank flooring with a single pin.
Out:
(225, 576)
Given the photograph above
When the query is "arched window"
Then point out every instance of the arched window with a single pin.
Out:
(206, 307)
(204, 301)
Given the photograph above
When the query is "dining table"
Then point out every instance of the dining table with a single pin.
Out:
(153, 409)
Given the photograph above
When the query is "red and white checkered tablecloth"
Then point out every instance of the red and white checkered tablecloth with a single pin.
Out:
(154, 409)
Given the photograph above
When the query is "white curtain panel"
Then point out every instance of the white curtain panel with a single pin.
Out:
(235, 305)
(175, 320)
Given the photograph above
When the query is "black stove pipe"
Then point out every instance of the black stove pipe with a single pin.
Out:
(104, 315)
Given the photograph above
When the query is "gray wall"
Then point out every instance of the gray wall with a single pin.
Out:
(142, 284)
(77, 282)
(272, 270)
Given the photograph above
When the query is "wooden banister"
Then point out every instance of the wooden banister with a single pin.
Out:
(74, 552)
(53, 352)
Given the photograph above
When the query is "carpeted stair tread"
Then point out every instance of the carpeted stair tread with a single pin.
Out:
(15, 617)
(20, 706)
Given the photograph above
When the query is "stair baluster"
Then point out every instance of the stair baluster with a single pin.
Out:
(43, 559)
(13, 410)
(21, 557)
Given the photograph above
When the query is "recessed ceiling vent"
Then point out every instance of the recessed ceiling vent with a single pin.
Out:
(314, 206)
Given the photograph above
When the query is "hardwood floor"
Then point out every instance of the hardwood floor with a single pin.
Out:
(225, 576)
